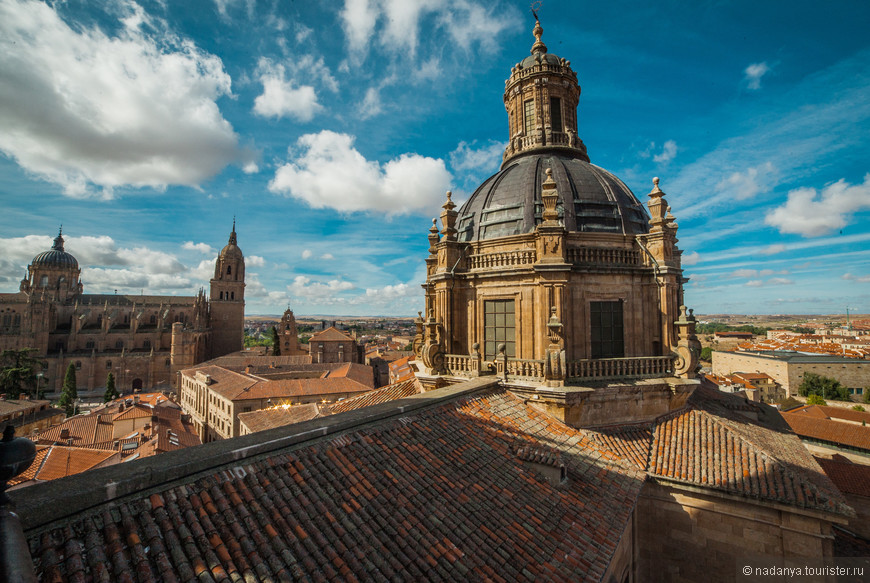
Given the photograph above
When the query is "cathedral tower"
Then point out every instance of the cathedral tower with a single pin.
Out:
(227, 299)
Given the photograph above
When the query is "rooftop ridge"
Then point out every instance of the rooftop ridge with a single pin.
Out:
(43, 505)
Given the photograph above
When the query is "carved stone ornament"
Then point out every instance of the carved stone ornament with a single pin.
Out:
(688, 350)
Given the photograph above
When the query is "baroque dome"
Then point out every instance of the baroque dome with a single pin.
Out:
(56, 256)
(591, 200)
(231, 250)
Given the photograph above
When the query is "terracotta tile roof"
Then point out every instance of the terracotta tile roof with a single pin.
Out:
(709, 444)
(632, 442)
(331, 334)
(83, 430)
(828, 430)
(829, 412)
(134, 412)
(850, 478)
(278, 416)
(433, 496)
(392, 392)
(55, 461)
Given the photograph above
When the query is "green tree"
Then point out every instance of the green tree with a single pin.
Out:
(69, 394)
(866, 397)
(19, 373)
(276, 342)
(858, 408)
(111, 391)
(814, 399)
(707, 353)
(825, 387)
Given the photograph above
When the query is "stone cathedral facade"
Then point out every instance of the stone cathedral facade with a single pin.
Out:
(142, 339)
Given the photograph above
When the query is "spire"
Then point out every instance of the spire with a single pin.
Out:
(233, 234)
(539, 47)
(58, 241)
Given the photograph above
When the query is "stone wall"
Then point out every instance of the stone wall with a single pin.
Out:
(850, 372)
(687, 536)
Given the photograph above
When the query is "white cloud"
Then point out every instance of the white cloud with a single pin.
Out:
(330, 173)
(669, 151)
(810, 213)
(486, 157)
(779, 281)
(747, 273)
(773, 249)
(464, 22)
(250, 168)
(860, 279)
(748, 184)
(254, 261)
(371, 105)
(391, 292)
(753, 74)
(306, 254)
(691, 259)
(142, 102)
(204, 248)
(754, 283)
(281, 97)
(327, 256)
(304, 287)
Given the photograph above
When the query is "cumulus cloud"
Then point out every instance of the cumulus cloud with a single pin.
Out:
(669, 151)
(391, 292)
(306, 254)
(810, 213)
(485, 157)
(754, 283)
(744, 185)
(204, 248)
(254, 261)
(753, 74)
(691, 259)
(464, 22)
(371, 105)
(327, 256)
(771, 281)
(82, 109)
(329, 172)
(305, 287)
(281, 97)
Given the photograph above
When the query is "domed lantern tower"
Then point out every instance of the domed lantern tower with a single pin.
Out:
(54, 273)
(227, 299)
(553, 271)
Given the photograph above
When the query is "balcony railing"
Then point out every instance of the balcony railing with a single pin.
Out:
(601, 368)
(502, 259)
(595, 255)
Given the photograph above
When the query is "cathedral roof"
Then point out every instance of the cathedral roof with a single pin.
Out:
(56, 256)
(592, 199)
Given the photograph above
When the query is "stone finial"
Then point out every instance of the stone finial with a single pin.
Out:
(539, 48)
(449, 205)
(658, 207)
(448, 219)
(433, 236)
(656, 184)
(549, 196)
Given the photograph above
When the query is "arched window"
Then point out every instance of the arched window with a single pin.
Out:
(222, 295)
(17, 321)
(7, 320)
(229, 269)
(232, 295)
(153, 319)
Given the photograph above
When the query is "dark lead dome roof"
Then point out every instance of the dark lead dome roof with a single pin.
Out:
(591, 199)
(56, 257)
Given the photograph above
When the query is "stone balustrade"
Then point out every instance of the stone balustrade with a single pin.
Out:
(644, 366)
(502, 259)
(602, 255)
(462, 365)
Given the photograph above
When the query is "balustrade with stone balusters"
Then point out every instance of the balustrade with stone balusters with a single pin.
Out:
(500, 259)
(645, 366)
(597, 255)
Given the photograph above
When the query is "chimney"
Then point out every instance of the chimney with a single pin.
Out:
(64, 433)
(248, 369)
(135, 399)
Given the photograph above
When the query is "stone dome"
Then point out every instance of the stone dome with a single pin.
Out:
(55, 257)
(231, 250)
(591, 199)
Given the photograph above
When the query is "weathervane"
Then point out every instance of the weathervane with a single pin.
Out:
(536, 5)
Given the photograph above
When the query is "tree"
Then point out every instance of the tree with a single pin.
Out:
(111, 391)
(276, 342)
(707, 353)
(815, 400)
(866, 397)
(19, 373)
(69, 394)
(825, 387)
(858, 408)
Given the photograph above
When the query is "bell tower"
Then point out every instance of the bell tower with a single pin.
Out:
(227, 299)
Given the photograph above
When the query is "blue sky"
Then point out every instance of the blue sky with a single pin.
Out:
(331, 131)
